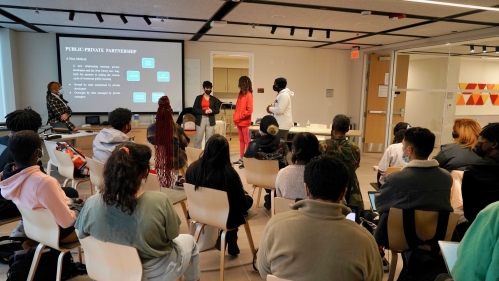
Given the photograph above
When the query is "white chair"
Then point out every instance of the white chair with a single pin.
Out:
(193, 154)
(96, 174)
(66, 169)
(281, 205)
(275, 278)
(261, 174)
(208, 206)
(151, 183)
(41, 226)
(108, 261)
(51, 146)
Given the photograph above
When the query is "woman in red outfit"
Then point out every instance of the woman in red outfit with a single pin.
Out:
(242, 115)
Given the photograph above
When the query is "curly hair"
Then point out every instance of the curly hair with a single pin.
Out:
(491, 132)
(23, 119)
(120, 117)
(467, 130)
(23, 144)
(123, 174)
(245, 85)
(341, 123)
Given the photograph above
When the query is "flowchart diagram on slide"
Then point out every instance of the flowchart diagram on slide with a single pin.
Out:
(148, 67)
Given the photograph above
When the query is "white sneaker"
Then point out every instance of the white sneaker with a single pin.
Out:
(19, 231)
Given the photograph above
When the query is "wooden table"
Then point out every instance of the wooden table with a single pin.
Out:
(315, 131)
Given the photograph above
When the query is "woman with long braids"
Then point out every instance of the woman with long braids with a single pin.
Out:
(213, 170)
(126, 215)
(242, 116)
(170, 142)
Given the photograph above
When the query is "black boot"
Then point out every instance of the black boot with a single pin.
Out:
(232, 247)
(218, 243)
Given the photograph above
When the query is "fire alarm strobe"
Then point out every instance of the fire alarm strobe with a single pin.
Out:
(396, 16)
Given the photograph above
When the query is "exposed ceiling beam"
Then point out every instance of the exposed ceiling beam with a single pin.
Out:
(226, 8)
(20, 21)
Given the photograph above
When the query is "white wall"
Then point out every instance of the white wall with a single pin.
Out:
(309, 73)
(231, 63)
(9, 85)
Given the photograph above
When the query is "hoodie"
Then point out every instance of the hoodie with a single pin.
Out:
(282, 109)
(31, 188)
(105, 142)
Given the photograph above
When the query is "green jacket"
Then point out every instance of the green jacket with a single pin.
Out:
(349, 153)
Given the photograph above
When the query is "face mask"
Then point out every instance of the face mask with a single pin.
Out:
(455, 136)
(61, 92)
(478, 149)
(406, 159)
(207, 92)
(274, 87)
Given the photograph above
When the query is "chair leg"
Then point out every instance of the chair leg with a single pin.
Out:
(254, 188)
(250, 238)
(65, 182)
(272, 208)
(91, 188)
(222, 255)
(34, 263)
(258, 198)
(393, 265)
(184, 209)
(59, 266)
(199, 228)
(49, 168)
(79, 255)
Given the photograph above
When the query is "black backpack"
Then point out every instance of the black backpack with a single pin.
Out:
(20, 263)
(7, 249)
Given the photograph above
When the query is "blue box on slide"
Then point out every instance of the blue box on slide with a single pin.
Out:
(163, 76)
(139, 97)
(147, 62)
(133, 75)
(156, 96)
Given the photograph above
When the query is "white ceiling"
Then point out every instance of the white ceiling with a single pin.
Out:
(185, 19)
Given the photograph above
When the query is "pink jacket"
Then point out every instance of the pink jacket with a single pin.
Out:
(33, 189)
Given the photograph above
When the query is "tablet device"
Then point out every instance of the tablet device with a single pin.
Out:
(449, 251)
(354, 215)
(372, 195)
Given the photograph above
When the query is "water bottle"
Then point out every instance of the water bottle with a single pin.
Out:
(136, 120)
(308, 125)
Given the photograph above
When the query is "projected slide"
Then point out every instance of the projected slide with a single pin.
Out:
(101, 74)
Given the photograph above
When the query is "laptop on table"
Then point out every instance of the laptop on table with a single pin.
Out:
(372, 196)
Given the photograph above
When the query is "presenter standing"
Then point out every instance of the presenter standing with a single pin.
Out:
(57, 106)
(242, 116)
(281, 109)
(205, 107)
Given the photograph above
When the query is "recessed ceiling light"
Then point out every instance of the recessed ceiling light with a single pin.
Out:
(426, 29)
(447, 44)
(245, 34)
(278, 17)
(161, 6)
(363, 23)
(455, 5)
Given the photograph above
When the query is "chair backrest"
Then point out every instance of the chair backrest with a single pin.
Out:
(96, 172)
(109, 261)
(321, 126)
(192, 154)
(390, 170)
(152, 162)
(281, 205)
(151, 183)
(261, 172)
(66, 166)
(50, 146)
(208, 205)
(456, 196)
(275, 278)
(40, 226)
(188, 117)
(426, 225)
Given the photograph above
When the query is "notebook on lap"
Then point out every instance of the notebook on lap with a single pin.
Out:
(449, 251)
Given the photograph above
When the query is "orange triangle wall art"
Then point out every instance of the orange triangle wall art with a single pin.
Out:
(494, 99)
(476, 98)
(460, 100)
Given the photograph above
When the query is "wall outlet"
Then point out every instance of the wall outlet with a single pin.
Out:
(329, 93)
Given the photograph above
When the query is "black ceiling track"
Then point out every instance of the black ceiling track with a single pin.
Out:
(226, 8)
(20, 21)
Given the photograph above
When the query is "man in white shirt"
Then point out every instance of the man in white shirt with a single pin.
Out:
(281, 109)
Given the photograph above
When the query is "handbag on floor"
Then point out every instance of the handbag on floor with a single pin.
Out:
(207, 237)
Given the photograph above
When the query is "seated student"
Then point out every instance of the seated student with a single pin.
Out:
(107, 139)
(420, 185)
(126, 215)
(28, 187)
(289, 181)
(315, 241)
(478, 252)
(214, 170)
(393, 153)
(349, 153)
(481, 179)
(268, 147)
(23, 119)
(170, 141)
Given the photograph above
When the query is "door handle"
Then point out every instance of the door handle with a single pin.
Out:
(401, 112)
(377, 112)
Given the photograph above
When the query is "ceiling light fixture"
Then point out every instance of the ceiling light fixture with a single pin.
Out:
(310, 32)
(472, 49)
(272, 31)
(36, 11)
(99, 17)
(455, 5)
(484, 49)
(497, 50)
(71, 15)
(162, 20)
(146, 19)
(122, 17)
(292, 32)
(218, 23)
(328, 34)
